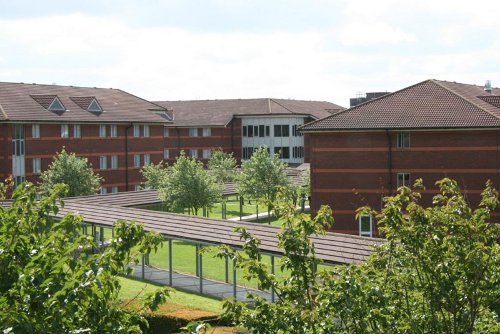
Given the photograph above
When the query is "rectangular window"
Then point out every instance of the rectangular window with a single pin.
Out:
(282, 130)
(193, 153)
(193, 132)
(114, 189)
(35, 131)
(207, 153)
(403, 179)
(207, 132)
(245, 131)
(166, 132)
(247, 152)
(261, 131)
(137, 131)
(298, 152)
(145, 130)
(104, 190)
(256, 131)
(114, 162)
(250, 131)
(113, 130)
(64, 130)
(102, 131)
(295, 131)
(103, 162)
(166, 153)
(284, 152)
(403, 139)
(147, 159)
(267, 131)
(77, 131)
(137, 187)
(365, 225)
(37, 165)
(137, 160)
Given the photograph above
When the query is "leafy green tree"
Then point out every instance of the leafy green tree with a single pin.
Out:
(154, 175)
(188, 185)
(262, 176)
(50, 279)
(73, 171)
(437, 273)
(222, 165)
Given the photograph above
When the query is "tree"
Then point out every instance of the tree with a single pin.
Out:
(73, 171)
(222, 165)
(154, 175)
(437, 273)
(188, 185)
(262, 176)
(50, 280)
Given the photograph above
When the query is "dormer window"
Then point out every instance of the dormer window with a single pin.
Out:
(56, 105)
(94, 106)
(50, 102)
(88, 103)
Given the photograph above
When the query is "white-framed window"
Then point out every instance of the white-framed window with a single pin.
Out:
(403, 179)
(37, 165)
(282, 130)
(147, 159)
(193, 132)
(145, 130)
(403, 140)
(103, 162)
(366, 225)
(113, 130)
(102, 131)
(137, 130)
(207, 132)
(104, 190)
(193, 153)
(64, 130)
(166, 132)
(77, 131)
(35, 131)
(207, 153)
(114, 162)
(166, 153)
(137, 187)
(114, 189)
(137, 160)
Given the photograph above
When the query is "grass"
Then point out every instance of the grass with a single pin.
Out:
(137, 289)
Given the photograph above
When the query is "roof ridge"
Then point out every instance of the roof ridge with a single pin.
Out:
(437, 82)
(271, 99)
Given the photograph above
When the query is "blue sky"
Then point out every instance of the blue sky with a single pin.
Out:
(208, 49)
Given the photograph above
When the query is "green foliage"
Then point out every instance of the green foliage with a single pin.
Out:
(50, 279)
(188, 185)
(222, 166)
(437, 273)
(73, 171)
(154, 175)
(262, 176)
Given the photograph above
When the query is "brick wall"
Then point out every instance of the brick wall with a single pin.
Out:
(350, 170)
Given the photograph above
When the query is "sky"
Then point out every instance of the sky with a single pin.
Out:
(328, 50)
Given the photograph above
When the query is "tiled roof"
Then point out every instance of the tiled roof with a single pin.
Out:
(29, 102)
(429, 104)
(220, 112)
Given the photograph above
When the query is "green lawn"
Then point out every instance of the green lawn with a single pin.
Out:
(132, 288)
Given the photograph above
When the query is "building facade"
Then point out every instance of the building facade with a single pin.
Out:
(117, 132)
(241, 126)
(431, 130)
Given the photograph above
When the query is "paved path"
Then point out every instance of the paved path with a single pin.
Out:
(192, 283)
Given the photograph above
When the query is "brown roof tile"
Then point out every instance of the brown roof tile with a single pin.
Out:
(29, 102)
(429, 104)
(220, 112)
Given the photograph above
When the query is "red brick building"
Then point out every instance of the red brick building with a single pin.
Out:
(117, 132)
(240, 126)
(430, 130)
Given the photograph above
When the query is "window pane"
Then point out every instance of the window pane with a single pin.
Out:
(261, 131)
(285, 130)
(146, 130)
(137, 131)
(245, 131)
(250, 131)
(277, 130)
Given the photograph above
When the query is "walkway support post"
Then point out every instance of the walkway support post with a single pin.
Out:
(101, 234)
(170, 282)
(197, 260)
(227, 269)
(142, 266)
(201, 269)
(234, 278)
(241, 206)
(272, 272)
